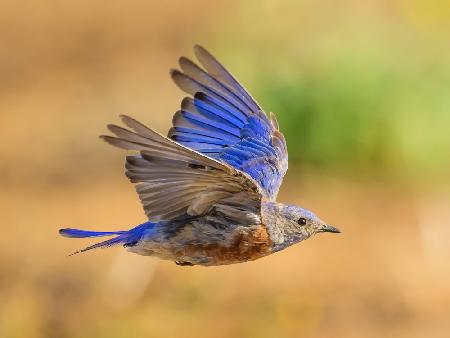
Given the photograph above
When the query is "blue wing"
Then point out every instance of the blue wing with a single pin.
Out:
(224, 122)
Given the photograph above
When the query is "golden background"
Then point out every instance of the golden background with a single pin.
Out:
(361, 89)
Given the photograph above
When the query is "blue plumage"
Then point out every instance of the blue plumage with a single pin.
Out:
(224, 129)
(126, 238)
(208, 121)
(77, 233)
(228, 114)
(224, 122)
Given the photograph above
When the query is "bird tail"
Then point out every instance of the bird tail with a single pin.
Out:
(125, 238)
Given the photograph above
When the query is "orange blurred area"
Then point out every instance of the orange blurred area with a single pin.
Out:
(69, 68)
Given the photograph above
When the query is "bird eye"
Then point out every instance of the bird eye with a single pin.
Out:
(301, 221)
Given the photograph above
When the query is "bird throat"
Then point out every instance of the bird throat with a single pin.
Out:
(281, 231)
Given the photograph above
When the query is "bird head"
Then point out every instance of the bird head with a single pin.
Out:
(292, 223)
(305, 221)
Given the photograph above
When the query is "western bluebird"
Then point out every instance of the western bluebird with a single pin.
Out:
(209, 189)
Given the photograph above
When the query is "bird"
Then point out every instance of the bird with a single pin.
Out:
(209, 188)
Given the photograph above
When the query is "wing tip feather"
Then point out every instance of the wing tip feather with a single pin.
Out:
(174, 73)
(198, 49)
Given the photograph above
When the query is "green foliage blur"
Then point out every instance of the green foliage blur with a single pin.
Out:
(358, 90)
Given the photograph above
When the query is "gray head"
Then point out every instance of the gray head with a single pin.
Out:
(288, 224)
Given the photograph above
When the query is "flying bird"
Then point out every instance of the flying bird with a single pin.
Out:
(209, 188)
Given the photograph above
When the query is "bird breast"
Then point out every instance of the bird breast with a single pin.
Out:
(248, 243)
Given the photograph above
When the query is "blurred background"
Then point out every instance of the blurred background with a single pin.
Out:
(361, 89)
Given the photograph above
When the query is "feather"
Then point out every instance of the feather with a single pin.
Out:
(126, 238)
(224, 122)
(173, 180)
(216, 69)
(196, 73)
(76, 233)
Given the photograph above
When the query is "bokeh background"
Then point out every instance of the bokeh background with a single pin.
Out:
(362, 91)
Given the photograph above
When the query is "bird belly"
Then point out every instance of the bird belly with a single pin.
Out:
(244, 243)
(246, 246)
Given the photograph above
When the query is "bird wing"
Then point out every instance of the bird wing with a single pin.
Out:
(223, 121)
(172, 180)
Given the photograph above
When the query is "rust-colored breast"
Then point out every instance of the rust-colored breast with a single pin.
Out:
(247, 244)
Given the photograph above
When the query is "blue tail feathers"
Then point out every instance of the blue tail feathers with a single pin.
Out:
(76, 233)
(125, 238)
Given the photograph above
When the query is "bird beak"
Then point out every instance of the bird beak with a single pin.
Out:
(330, 228)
